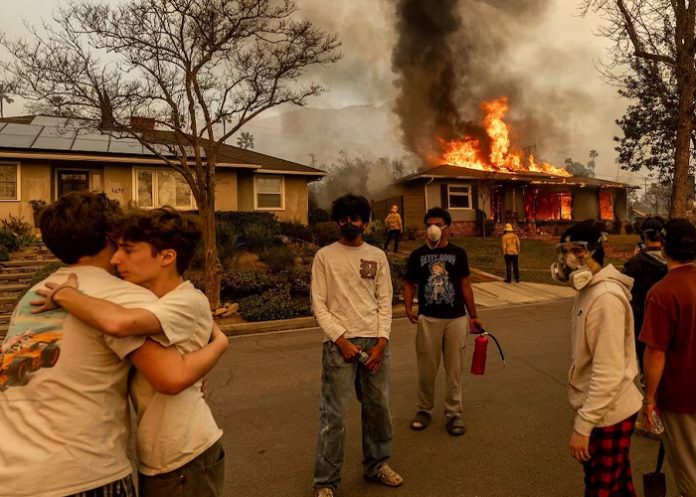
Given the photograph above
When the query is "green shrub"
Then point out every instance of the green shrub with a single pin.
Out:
(293, 229)
(298, 280)
(397, 267)
(278, 258)
(16, 225)
(9, 240)
(4, 254)
(318, 215)
(377, 235)
(227, 240)
(260, 236)
(239, 283)
(325, 233)
(273, 304)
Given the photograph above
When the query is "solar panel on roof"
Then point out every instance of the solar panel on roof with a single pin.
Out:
(88, 141)
(125, 146)
(18, 135)
(49, 121)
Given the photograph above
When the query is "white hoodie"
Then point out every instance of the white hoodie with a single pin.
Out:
(602, 379)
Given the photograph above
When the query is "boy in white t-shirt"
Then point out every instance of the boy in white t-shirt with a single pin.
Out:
(64, 421)
(178, 441)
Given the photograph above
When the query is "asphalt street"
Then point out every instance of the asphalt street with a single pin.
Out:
(265, 396)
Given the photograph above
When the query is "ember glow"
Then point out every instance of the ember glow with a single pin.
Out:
(467, 152)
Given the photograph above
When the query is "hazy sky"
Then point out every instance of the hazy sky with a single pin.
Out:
(556, 53)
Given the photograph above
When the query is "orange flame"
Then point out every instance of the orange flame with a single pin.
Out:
(467, 152)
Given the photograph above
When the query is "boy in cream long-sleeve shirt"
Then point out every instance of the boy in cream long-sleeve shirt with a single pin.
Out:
(351, 300)
(602, 379)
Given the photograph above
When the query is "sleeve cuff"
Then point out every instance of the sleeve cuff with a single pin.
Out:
(334, 334)
(582, 426)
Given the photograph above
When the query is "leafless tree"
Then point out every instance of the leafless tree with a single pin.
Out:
(659, 37)
(190, 65)
(6, 89)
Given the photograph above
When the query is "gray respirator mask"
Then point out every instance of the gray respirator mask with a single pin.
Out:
(570, 268)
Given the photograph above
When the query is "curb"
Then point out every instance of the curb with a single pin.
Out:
(241, 329)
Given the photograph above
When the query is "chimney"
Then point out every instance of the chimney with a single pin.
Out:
(142, 123)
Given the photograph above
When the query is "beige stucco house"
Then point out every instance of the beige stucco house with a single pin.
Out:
(42, 158)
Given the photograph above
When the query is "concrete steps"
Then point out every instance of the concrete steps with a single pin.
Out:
(15, 276)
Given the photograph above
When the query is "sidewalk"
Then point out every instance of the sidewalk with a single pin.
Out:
(487, 295)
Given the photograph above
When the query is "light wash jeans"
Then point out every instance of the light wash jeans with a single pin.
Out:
(337, 379)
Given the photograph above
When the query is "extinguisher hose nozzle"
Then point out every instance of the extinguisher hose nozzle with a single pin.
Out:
(500, 349)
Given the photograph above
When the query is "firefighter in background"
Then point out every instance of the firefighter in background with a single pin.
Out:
(510, 247)
(395, 227)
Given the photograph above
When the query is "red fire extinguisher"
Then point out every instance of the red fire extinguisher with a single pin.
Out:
(478, 361)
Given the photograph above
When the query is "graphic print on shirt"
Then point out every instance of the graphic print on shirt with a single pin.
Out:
(439, 289)
(368, 269)
(32, 343)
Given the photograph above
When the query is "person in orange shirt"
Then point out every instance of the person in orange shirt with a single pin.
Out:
(510, 247)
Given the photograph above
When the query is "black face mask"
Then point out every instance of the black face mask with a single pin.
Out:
(350, 232)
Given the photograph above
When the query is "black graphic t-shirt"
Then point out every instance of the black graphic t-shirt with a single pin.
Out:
(438, 273)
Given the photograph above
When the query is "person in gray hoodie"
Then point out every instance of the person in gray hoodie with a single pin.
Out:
(602, 379)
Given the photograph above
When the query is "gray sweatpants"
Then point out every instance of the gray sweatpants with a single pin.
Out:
(680, 446)
(436, 339)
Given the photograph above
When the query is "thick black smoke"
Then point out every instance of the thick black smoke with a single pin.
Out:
(449, 56)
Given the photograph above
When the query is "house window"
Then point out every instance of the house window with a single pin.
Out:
(459, 196)
(606, 205)
(553, 206)
(156, 188)
(269, 193)
(9, 182)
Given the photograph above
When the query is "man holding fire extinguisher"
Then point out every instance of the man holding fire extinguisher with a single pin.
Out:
(602, 380)
(440, 270)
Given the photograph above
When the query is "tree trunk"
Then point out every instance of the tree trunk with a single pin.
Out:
(213, 268)
(686, 81)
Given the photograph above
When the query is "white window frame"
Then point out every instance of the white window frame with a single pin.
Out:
(18, 197)
(469, 195)
(282, 192)
(155, 189)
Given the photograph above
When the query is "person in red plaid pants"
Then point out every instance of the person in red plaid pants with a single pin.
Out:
(602, 380)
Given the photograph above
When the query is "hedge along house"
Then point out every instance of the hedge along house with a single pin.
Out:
(42, 158)
(532, 201)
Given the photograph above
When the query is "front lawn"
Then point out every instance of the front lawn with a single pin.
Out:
(536, 256)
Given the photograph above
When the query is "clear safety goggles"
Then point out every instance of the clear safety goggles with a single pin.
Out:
(578, 249)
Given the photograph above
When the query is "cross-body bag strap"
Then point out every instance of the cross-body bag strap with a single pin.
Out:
(660, 457)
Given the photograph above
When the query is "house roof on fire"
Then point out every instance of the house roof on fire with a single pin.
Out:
(48, 137)
(447, 171)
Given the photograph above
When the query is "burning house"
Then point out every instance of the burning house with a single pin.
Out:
(484, 178)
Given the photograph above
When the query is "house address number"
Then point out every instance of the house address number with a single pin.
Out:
(118, 190)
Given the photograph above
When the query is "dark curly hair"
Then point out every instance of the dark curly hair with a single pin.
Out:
(650, 228)
(679, 240)
(350, 205)
(79, 224)
(438, 212)
(163, 228)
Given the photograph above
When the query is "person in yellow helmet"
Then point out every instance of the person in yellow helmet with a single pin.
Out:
(510, 247)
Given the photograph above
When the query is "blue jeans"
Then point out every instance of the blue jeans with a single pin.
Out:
(337, 378)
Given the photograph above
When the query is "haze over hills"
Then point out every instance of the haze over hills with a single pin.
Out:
(317, 136)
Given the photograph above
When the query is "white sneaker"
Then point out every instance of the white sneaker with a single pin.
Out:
(323, 492)
(387, 476)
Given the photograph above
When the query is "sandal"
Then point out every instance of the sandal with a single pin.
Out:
(420, 421)
(455, 426)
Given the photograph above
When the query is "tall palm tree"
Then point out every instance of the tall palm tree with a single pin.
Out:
(246, 140)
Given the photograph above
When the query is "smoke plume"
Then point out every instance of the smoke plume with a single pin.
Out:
(450, 55)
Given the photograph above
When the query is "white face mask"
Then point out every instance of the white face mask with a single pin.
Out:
(434, 233)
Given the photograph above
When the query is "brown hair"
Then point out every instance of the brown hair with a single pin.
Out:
(78, 224)
(163, 228)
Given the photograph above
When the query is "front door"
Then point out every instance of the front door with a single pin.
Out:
(70, 180)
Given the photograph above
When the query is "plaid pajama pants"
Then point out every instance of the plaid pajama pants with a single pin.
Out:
(608, 472)
(119, 488)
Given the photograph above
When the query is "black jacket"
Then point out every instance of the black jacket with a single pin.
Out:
(647, 267)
